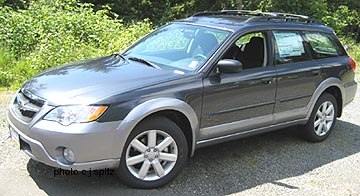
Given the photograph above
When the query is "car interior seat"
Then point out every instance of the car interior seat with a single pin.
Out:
(254, 53)
(233, 52)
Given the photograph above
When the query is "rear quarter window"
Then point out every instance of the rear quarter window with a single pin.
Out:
(323, 45)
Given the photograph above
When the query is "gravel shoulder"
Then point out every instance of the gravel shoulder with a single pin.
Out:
(276, 163)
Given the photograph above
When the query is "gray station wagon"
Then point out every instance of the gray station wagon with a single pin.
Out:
(209, 78)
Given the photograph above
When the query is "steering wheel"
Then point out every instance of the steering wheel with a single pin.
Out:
(200, 56)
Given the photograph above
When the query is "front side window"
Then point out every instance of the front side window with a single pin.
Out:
(322, 45)
(290, 47)
(249, 49)
(178, 46)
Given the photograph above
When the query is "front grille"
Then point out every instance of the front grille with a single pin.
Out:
(29, 114)
(26, 105)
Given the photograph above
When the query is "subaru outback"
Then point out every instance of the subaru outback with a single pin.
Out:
(209, 78)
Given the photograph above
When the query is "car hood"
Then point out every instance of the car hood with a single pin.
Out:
(88, 81)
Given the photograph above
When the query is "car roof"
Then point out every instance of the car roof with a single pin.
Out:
(240, 20)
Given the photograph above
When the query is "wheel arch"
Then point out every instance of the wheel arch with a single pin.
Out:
(182, 121)
(176, 110)
(332, 86)
(335, 91)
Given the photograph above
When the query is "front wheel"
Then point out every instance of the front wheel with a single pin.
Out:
(154, 153)
(322, 119)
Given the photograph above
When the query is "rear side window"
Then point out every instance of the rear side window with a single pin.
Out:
(322, 45)
(290, 47)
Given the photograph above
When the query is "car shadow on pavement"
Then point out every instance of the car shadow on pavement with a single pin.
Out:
(221, 169)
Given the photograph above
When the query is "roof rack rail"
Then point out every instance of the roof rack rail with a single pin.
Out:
(261, 16)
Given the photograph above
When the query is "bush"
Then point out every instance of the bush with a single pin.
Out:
(6, 61)
(344, 21)
(52, 32)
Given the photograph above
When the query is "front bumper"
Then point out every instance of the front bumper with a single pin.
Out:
(93, 143)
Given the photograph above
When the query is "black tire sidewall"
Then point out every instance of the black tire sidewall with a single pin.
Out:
(310, 134)
(171, 128)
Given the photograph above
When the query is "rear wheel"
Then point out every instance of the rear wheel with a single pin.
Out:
(322, 119)
(154, 154)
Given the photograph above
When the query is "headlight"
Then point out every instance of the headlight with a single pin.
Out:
(66, 115)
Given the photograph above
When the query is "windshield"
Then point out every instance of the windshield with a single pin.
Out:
(178, 46)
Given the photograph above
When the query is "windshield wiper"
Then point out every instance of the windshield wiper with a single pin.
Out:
(120, 55)
(145, 62)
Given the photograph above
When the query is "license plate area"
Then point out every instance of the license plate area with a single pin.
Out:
(15, 137)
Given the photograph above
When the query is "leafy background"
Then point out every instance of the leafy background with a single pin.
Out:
(36, 35)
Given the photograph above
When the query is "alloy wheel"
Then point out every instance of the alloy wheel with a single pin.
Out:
(324, 118)
(151, 155)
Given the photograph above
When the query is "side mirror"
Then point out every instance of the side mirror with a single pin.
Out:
(229, 66)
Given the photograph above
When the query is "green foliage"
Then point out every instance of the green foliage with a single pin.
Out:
(162, 11)
(316, 9)
(39, 34)
(352, 48)
(343, 16)
(6, 61)
(51, 33)
(17, 4)
(343, 20)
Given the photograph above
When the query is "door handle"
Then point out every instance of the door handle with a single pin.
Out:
(315, 72)
(267, 80)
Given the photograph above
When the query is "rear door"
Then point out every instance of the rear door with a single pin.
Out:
(298, 75)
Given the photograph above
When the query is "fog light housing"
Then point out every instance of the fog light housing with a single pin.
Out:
(69, 155)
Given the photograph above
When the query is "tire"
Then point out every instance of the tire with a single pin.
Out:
(322, 119)
(155, 163)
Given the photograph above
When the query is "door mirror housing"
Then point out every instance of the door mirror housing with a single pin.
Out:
(229, 66)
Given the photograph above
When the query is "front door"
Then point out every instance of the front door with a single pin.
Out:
(238, 102)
